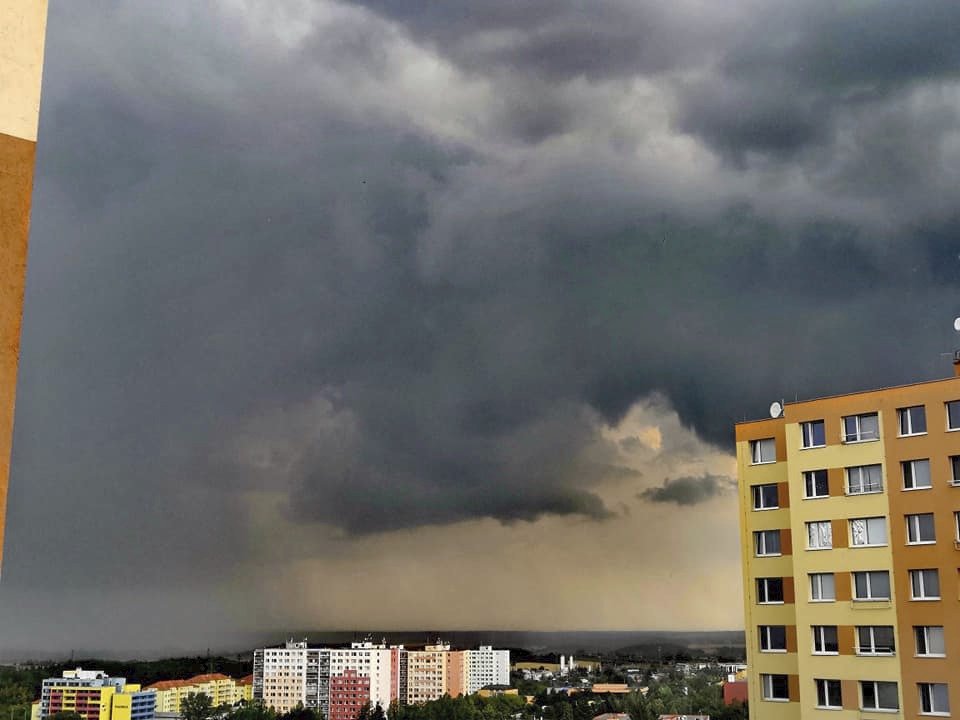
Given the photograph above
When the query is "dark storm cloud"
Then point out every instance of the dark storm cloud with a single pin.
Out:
(258, 265)
(554, 40)
(690, 490)
(788, 80)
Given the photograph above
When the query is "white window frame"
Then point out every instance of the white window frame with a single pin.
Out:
(823, 691)
(922, 635)
(766, 638)
(868, 575)
(820, 633)
(758, 496)
(765, 581)
(873, 528)
(946, 408)
(914, 527)
(954, 469)
(757, 451)
(807, 434)
(859, 434)
(912, 464)
(817, 587)
(906, 429)
(766, 687)
(863, 473)
(928, 700)
(810, 483)
(876, 694)
(918, 581)
(820, 543)
(871, 650)
(760, 543)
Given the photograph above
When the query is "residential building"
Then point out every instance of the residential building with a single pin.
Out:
(426, 673)
(850, 531)
(245, 688)
(94, 695)
(339, 681)
(21, 67)
(486, 666)
(221, 689)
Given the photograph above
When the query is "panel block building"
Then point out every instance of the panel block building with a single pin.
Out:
(22, 32)
(850, 536)
(340, 681)
(95, 696)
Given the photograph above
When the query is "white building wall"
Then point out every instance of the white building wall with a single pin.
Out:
(486, 666)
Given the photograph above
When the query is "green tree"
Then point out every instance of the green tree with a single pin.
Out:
(196, 706)
(66, 715)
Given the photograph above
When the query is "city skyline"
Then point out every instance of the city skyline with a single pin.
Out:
(357, 314)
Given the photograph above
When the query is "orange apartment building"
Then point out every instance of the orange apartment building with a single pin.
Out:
(850, 536)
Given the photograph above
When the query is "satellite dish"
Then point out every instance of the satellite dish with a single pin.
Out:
(776, 409)
(956, 324)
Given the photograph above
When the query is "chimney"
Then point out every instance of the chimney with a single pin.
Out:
(956, 363)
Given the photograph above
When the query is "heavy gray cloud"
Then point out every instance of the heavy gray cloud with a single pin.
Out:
(394, 267)
(689, 490)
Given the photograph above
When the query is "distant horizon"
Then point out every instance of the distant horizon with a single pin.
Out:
(545, 642)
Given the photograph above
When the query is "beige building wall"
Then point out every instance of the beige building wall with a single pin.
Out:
(22, 32)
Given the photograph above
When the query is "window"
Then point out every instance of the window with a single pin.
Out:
(774, 687)
(956, 522)
(769, 590)
(766, 542)
(763, 451)
(876, 695)
(871, 585)
(924, 585)
(864, 479)
(920, 529)
(953, 415)
(857, 428)
(825, 640)
(912, 420)
(867, 532)
(812, 434)
(875, 640)
(916, 474)
(822, 587)
(819, 535)
(765, 497)
(934, 699)
(930, 641)
(828, 694)
(815, 484)
(955, 469)
(773, 638)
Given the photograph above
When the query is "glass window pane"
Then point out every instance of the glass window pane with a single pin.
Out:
(887, 695)
(880, 584)
(869, 427)
(953, 414)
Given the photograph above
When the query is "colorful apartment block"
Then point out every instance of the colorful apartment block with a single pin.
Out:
(221, 689)
(850, 531)
(340, 681)
(95, 696)
(22, 32)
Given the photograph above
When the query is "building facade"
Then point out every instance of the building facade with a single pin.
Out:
(95, 696)
(850, 536)
(340, 681)
(486, 666)
(22, 33)
(221, 689)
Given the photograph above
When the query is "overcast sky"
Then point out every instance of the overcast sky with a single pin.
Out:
(399, 314)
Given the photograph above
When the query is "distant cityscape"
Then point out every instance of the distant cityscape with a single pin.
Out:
(367, 680)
